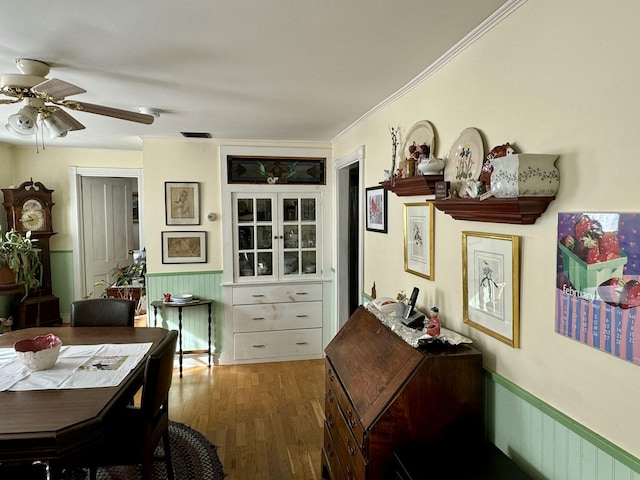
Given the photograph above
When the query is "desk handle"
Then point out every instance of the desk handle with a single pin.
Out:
(258, 345)
(257, 318)
(302, 315)
(302, 343)
(257, 295)
(301, 293)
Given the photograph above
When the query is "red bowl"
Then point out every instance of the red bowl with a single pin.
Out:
(40, 353)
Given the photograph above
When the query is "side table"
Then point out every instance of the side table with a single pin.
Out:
(196, 303)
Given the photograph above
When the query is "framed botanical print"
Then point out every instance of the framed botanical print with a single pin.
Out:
(182, 203)
(491, 284)
(184, 247)
(418, 239)
(376, 209)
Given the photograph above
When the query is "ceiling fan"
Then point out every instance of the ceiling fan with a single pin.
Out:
(44, 98)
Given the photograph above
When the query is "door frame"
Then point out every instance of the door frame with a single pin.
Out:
(342, 167)
(77, 234)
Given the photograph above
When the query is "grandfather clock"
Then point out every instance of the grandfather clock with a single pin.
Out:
(29, 209)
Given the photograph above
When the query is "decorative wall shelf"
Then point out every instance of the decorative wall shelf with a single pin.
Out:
(416, 185)
(518, 210)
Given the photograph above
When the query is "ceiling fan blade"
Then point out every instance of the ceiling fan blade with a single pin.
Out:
(110, 112)
(68, 119)
(56, 88)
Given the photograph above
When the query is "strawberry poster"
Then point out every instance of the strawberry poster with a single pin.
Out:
(598, 281)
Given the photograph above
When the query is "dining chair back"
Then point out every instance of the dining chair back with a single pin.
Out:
(133, 433)
(103, 312)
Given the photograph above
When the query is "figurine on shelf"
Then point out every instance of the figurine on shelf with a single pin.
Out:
(433, 324)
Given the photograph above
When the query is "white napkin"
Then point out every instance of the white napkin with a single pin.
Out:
(11, 370)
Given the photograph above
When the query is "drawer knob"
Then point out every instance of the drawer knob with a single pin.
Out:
(302, 343)
(258, 345)
(352, 451)
(257, 295)
(257, 318)
(301, 315)
(301, 293)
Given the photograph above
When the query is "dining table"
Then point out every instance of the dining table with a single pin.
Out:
(56, 424)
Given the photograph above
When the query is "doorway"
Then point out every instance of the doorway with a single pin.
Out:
(349, 234)
(96, 176)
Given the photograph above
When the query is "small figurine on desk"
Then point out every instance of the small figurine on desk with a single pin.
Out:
(5, 324)
(166, 297)
(433, 324)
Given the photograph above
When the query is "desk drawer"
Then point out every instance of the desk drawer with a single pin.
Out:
(330, 457)
(351, 459)
(286, 343)
(283, 293)
(351, 418)
(277, 316)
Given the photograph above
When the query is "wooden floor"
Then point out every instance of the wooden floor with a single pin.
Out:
(266, 419)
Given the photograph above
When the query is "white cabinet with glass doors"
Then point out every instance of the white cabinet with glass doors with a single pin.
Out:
(276, 236)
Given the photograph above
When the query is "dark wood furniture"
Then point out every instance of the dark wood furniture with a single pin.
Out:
(197, 303)
(29, 209)
(53, 425)
(143, 426)
(448, 459)
(126, 291)
(382, 393)
(416, 185)
(519, 210)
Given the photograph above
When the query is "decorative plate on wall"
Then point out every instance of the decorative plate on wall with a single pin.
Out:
(465, 157)
(421, 133)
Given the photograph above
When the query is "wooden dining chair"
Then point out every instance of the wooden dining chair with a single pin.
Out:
(103, 312)
(133, 433)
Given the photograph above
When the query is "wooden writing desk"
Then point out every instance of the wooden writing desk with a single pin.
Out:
(51, 425)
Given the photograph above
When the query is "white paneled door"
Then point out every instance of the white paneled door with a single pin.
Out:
(108, 228)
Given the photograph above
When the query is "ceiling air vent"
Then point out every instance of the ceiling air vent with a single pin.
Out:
(196, 134)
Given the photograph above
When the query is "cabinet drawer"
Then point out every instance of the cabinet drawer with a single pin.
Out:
(331, 457)
(277, 316)
(333, 383)
(286, 343)
(257, 294)
(351, 458)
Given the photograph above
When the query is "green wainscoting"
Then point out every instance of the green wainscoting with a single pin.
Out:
(62, 279)
(194, 320)
(546, 443)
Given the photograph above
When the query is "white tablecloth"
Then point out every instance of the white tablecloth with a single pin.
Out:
(78, 366)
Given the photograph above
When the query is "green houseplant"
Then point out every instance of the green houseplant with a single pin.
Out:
(20, 254)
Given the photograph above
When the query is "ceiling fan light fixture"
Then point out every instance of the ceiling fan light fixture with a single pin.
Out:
(56, 127)
(154, 112)
(23, 123)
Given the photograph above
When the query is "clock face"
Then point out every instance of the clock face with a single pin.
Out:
(33, 216)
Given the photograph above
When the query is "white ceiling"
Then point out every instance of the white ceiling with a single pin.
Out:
(241, 69)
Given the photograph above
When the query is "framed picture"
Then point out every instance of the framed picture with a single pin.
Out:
(491, 284)
(182, 203)
(376, 209)
(184, 247)
(418, 239)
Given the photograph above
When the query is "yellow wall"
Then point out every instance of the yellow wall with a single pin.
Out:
(50, 167)
(554, 77)
(171, 160)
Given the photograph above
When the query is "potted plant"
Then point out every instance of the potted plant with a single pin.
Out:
(20, 254)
